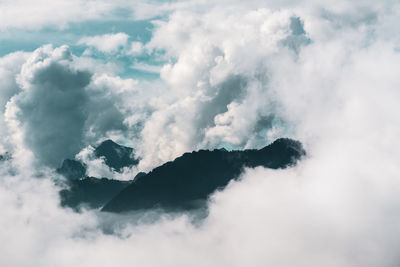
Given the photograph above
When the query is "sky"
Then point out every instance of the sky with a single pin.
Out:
(168, 77)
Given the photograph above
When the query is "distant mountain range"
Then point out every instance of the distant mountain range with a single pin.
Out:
(182, 184)
(94, 192)
(115, 156)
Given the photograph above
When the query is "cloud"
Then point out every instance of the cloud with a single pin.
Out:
(42, 13)
(62, 107)
(219, 79)
(108, 43)
(136, 48)
(230, 70)
(10, 66)
(146, 67)
(51, 107)
(225, 54)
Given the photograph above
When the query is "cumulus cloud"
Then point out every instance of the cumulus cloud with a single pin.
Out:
(220, 78)
(10, 66)
(61, 107)
(51, 107)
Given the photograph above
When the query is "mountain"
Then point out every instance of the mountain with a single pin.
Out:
(72, 169)
(184, 183)
(188, 181)
(115, 156)
(91, 192)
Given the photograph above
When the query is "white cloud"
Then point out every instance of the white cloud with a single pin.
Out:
(146, 67)
(136, 48)
(108, 43)
(60, 106)
(50, 109)
(220, 80)
(25, 14)
(10, 66)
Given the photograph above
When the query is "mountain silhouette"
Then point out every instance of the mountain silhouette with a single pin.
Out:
(188, 181)
(72, 169)
(90, 192)
(115, 156)
(182, 184)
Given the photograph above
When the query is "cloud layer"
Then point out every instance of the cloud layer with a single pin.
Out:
(235, 76)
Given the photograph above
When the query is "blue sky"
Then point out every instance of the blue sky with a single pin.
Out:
(29, 40)
(19, 39)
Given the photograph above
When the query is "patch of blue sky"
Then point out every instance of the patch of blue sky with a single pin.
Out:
(140, 66)
(147, 65)
(228, 146)
(17, 39)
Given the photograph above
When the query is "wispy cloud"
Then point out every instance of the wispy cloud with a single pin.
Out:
(108, 43)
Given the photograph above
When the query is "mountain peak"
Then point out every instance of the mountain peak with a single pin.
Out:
(115, 155)
(288, 143)
(108, 143)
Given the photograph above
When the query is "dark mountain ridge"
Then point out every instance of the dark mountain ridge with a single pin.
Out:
(182, 184)
(189, 180)
(90, 191)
